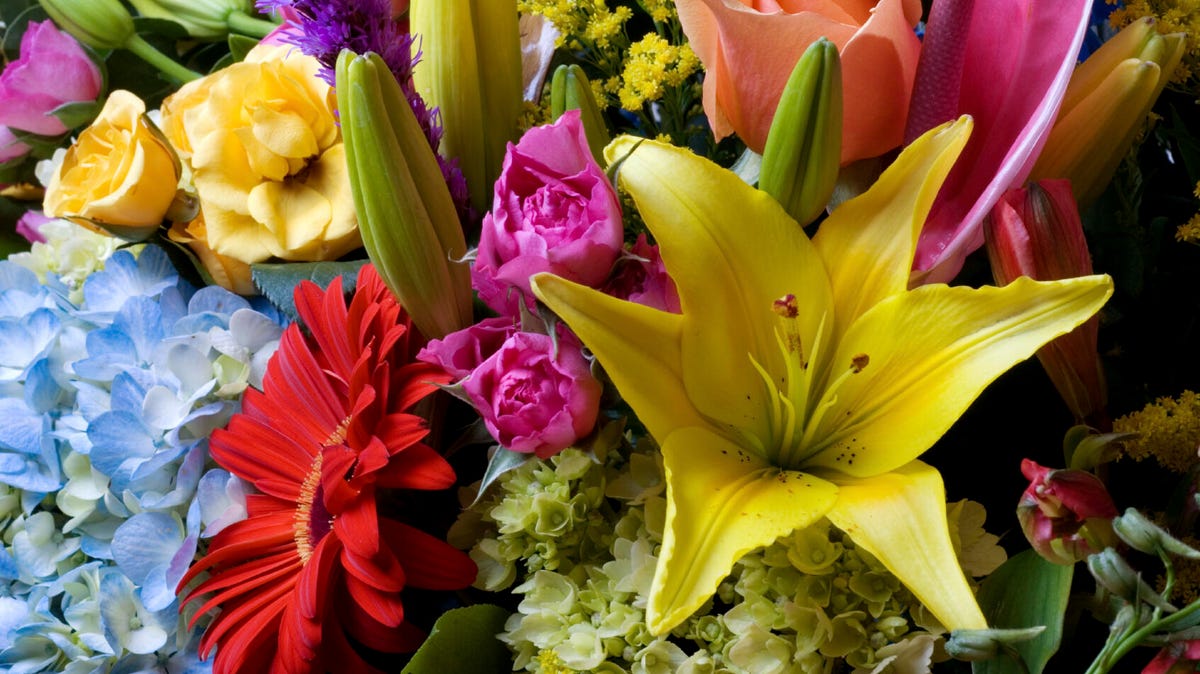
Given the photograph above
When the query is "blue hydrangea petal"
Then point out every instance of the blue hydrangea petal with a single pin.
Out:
(119, 443)
(146, 541)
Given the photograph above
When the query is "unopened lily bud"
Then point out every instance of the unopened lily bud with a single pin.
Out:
(103, 24)
(471, 70)
(1105, 104)
(405, 212)
(800, 160)
(1145, 536)
(976, 645)
(206, 19)
(1114, 574)
(1065, 514)
(1036, 232)
(570, 90)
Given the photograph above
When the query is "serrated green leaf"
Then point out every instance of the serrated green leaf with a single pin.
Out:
(502, 461)
(75, 115)
(464, 640)
(277, 281)
(240, 45)
(1026, 591)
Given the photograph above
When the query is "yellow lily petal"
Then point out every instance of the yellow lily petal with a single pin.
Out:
(638, 347)
(919, 380)
(722, 502)
(900, 518)
(872, 239)
(732, 251)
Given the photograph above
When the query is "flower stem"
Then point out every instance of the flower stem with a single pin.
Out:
(240, 22)
(164, 63)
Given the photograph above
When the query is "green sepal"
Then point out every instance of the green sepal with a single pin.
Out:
(239, 46)
(501, 461)
(570, 90)
(278, 281)
(801, 158)
(1026, 591)
(464, 640)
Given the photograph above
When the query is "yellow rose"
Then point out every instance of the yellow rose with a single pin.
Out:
(119, 175)
(267, 158)
(230, 274)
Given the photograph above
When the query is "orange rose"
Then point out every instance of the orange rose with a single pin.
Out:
(749, 48)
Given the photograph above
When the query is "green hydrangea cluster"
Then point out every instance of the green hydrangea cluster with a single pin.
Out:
(578, 536)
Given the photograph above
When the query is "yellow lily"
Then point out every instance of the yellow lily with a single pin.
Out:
(803, 378)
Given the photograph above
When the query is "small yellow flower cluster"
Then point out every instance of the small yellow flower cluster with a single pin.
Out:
(1168, 430)
(1171, 16)
(653, 65)
(659, 10)
(549, 663)
(582, 23)
(1190, 231)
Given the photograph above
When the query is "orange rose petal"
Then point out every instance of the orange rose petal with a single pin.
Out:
(878, 67)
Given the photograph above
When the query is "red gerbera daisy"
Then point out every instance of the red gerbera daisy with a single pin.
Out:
(315, 567)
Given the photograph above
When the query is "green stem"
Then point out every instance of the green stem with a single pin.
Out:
(164, 63)
(240, 22)
(1105, 660)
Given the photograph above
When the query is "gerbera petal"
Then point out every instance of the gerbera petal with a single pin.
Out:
(417, 467)
(916, 381)
(638, 347)
(429, 562)
(872, 238)
(722, 502)
(732, 251)
(900, 518)
(384, 608)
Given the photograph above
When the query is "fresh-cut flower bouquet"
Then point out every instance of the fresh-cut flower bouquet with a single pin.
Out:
(638, 336)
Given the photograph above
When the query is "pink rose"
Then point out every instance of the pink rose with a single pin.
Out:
(53, 70)
(460, 352)
(643, 278)
(532, 398)
(554, 211)
(10, 147)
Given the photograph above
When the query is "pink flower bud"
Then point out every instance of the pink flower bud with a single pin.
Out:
(53, 70)
(554, 211)
(534, 398)
(1176, 657)
(1036, 232)
(1066, 514)
(642, 277)
(460, 352)
(30, 226)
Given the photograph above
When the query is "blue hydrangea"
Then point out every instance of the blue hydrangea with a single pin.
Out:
(106, 486)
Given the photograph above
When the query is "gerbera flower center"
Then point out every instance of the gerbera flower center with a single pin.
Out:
(311, 518)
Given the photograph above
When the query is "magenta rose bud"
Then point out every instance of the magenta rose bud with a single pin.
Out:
(1066, 514)
(642, 277)
(458, 353)
(554, 211)
(533, 399)
(53, 69)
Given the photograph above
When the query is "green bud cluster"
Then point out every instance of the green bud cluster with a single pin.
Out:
(577, 538)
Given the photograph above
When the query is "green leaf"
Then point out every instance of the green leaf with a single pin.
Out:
(159, 27)
(75, 115)
(277, 281)
(240, 45)
(464, 640)
(1026, 591)
(502, 461)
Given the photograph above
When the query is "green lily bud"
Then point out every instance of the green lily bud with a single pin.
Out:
(1145, 536)
(207, 19)
(405, 212)
(570, 90)
(800, 160)
(976, 645)
(471, 70)
(103, 24)
(1114, 574)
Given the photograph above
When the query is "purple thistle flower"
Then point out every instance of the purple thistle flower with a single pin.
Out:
(326, 27)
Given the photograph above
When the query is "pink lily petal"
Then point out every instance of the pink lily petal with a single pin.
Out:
(1006, 63)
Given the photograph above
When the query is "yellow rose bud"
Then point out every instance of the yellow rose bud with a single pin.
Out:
(267, 159)
(119, 176)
